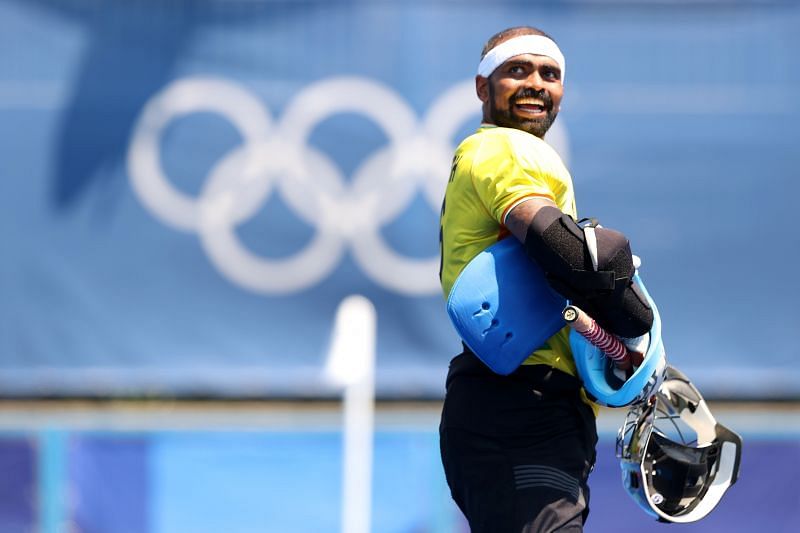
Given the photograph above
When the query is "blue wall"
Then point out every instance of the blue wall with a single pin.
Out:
(189, 189)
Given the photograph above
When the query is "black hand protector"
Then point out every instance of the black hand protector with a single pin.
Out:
(558, 244)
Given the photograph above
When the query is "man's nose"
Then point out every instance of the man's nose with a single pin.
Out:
(536, 81)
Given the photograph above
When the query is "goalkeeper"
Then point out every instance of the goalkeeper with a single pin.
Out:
(517, 450)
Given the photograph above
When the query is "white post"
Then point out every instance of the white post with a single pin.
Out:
(351, 365)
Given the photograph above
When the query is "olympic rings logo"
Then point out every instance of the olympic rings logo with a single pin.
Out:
(275, 156)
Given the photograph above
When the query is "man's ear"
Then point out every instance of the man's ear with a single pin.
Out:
(482, 88)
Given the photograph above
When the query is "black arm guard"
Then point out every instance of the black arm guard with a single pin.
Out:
(556, 242)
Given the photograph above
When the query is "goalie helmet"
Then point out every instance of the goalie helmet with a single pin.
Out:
(677, 460)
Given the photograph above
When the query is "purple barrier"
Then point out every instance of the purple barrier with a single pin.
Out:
(17, 485)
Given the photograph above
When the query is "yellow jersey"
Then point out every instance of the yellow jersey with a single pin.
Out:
(494, 170)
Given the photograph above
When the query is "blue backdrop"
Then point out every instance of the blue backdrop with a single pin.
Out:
(189, 189)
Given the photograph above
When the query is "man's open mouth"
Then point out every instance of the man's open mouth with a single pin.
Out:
(530, 105)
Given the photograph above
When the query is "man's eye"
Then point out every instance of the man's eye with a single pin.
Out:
(516, 69)
(550, 74)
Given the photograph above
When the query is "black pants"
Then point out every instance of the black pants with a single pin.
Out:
(517, 450)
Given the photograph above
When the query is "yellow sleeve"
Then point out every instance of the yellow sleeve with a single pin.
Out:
(504, 173)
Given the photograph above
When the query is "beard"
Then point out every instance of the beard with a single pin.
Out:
(507, 119)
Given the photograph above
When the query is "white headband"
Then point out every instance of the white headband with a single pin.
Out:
(524, 44)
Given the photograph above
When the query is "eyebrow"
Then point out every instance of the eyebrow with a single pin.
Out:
(528, 62)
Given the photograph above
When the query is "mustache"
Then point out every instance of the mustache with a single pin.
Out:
(541, 94)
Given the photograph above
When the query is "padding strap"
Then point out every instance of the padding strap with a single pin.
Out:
(591, 244)
(586, 280)
(604, 281)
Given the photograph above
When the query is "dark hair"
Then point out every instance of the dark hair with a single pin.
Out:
(508, 33)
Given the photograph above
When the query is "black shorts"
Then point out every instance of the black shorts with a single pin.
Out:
(517, 450)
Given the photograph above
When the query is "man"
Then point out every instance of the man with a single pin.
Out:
(517, 450)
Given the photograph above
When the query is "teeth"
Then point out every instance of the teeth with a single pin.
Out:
(529, 101)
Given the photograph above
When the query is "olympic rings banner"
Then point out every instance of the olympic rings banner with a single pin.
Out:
(190, 189)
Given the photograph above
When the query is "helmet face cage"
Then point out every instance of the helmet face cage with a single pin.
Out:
(677, 461)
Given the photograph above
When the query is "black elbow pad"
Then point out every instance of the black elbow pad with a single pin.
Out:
(558, 244)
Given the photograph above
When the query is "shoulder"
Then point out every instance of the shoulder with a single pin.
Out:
(496, 142)
(525, 145)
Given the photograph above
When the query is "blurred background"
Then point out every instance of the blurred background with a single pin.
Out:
(189, 190)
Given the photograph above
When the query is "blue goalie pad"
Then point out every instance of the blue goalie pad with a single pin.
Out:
(595, 369)
(502, 306)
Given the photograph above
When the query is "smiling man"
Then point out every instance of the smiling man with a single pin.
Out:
(517, 450)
